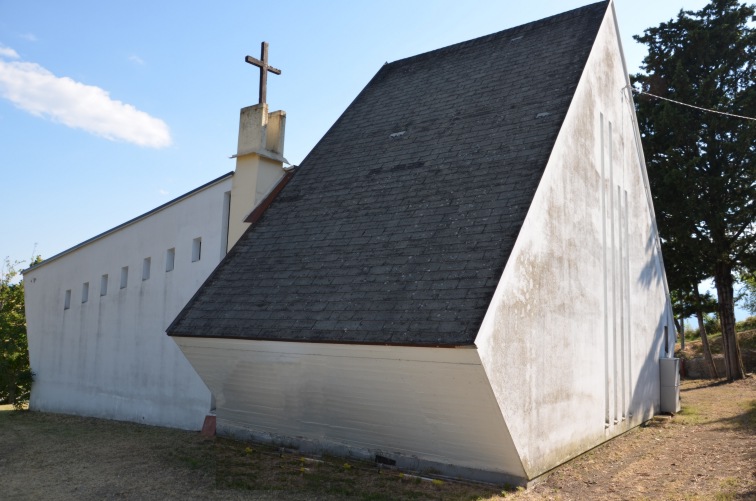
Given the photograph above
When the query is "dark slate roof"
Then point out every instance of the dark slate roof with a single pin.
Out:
(397, 227)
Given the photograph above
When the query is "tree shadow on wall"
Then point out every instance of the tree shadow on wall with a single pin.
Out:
(651, 273)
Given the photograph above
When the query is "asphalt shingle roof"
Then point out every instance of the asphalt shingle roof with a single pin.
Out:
(398, 224)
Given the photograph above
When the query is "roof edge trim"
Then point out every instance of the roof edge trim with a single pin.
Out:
(470, 346)
(130, 222)
(258, 211)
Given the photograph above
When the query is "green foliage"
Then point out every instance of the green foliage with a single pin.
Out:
(15, 374)
(748, 324)
(701, 165)
(748, 300)
(712, 324)
(685, 303)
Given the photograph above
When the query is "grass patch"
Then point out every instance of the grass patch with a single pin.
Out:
(747, 340)
(728, 489)
(91, 459)
(242, 466)
(689, 415)
(749, 416)
(694, 347)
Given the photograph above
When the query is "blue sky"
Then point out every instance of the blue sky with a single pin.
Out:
(110, 108)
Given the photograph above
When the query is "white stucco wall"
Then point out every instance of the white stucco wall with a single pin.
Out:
(110, 357)
(572, 339)
(422, 407)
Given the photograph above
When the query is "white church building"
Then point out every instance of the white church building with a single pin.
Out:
(464, 275)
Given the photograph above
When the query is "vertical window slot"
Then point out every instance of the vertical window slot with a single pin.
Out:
(124, 277)
(170, 259)
(146, 264)
(196, 249)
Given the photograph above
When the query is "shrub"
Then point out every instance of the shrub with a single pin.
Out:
(711, 322)
(746, 325)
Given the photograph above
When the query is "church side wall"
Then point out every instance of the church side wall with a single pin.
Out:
(421, 407)
(572, 339)
(109, 357)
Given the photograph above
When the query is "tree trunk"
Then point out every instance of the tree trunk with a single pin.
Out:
(12, 393)
(733, 360)
(712, 369)
(680, 328)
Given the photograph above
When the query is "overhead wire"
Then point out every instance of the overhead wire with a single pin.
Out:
(708, 110)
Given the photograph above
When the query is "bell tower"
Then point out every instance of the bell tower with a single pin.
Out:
(259, 154)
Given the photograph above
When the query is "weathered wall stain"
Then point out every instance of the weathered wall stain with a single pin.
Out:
(543, 340)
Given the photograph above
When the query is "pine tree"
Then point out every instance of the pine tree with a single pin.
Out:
(702, 165)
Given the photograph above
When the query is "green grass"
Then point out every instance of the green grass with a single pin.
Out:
(691, 331)
(729, 487)
(689, 415)
(259, 467)
(749, 415)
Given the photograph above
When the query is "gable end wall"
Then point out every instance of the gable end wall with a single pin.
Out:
(572, 338)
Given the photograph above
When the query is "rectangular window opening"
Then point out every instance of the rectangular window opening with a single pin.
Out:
(104, 285)
(85, 292)
(224, 223)
(196, 249)
(146, 268)
(67, 300)
(124, 277)
(170, 259)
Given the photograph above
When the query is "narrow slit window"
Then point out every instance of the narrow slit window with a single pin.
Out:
(85, 292)
(104, 285)
(146, 268)
(196, 249)
(170, 259)
(124, 277)
(67, 300)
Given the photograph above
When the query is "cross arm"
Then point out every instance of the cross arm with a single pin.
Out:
(257, 62)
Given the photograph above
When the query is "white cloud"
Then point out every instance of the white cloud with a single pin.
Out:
(8, 53)
(136, 59)
(163, 192)
(30, 37)
(34, 89)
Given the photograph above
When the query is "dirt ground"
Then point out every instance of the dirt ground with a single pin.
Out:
(706, 452)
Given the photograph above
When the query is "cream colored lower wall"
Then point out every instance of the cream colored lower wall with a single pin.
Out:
(572, 338)
(431, 404)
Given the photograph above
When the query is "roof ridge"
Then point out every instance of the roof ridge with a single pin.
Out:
(491, 36)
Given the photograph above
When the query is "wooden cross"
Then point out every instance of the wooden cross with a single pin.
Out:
(262, 63)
